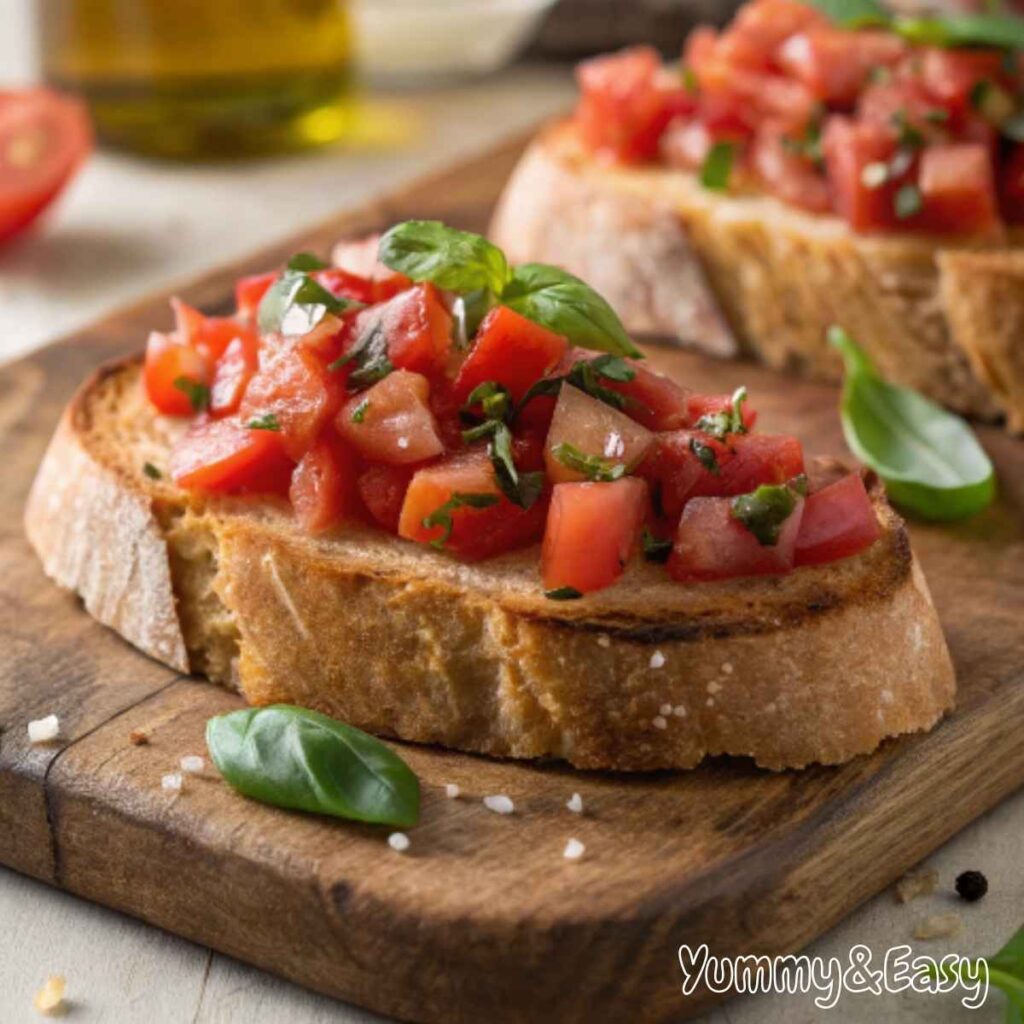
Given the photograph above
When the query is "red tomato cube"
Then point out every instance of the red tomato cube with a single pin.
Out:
(957, 185)
(711, 544)
(838, 521)
(322, 485)
(249, 292)
(591, 533)
(675, 472)
(759, 459)
(382, 489)
(511, 350)
(391, 421)
(698, 406)
(653, 400)
(951, 75)
(849, 148)
(231, 376)
(167, 361)
(791, 177)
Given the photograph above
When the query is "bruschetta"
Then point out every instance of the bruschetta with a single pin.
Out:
(794, 172)
(444, 499)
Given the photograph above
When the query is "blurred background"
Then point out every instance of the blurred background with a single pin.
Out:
(221, 126)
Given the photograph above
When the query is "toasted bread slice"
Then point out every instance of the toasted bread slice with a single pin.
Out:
(742, 271)
(403, 641)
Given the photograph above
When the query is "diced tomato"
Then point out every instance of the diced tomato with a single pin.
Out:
(476, 532)
(838, 521)
(249, 292)
(447, 410)
(391, 421)
(210, 335)
(767, 23)
(957, 188)
(297, 389)
(786, 173)
(698, 406)
(231, 376)
(835, 64)
(168, 361)
(226, 457)
(625, 104)
(950, 75)
(711, 544)
(416, 327)
(359, 257)
(676, 473)
(1011, 186)
(382, 489)
(596, 429)
(760, 459)
(591, 533)
(45, 137)
(850, 146)
(511, 350)
(322, 488)
(653, 400)
(347, 285)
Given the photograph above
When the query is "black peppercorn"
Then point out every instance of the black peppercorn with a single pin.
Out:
(971, 885)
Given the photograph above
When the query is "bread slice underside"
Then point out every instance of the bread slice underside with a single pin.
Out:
(404, 641)
(738, 271)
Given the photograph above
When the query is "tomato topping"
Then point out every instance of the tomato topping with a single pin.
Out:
(225, 456)
(511, 350)
(593, 429)
(1011, 186)
(359, 258)
(382, 489)
(392, 422)
(760, 459)
(711, 544)
(785, 172)
(249, 292)
(322, 490)
(210, 335)
(850, 148)
(653, 400)
(699, 406)
(475, 532)
(958, 192)
(235, 368)
(591, 533)
(416, 327)
(170, 369)
(294, 387)
(951, 76)
(44, 138)
(838, 521)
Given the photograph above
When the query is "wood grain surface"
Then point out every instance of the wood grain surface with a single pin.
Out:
(483, 919)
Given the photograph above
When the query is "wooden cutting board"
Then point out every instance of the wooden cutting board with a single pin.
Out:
(483, 920)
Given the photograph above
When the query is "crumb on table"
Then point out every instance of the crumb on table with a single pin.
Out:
(938, 926)
(917, 883)
(49, 1000)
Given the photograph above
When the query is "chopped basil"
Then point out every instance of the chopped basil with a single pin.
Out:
(930, 461)
(690, 83)
(442, 516)
(764, 511)
(306, 261)
(705, 455)
(370, 356)
(907, 202)
(717, 167)
(655, 549)
(727, 421)
(359, 412)
(295, 303)
(586, 375)
(268, 421)
(299, 759)
(522, 489)
(198, 393)
(907, 135)
(151, 471)
(494, 399)
(853, 13)
(563, 594)
(593, 467)
(1013, 128)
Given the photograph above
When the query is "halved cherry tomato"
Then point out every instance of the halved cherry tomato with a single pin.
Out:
(170, 363)
(476, 532)
(595, 429)
(511, 350)
(838, 521)
(44, 138)
(591, 533)
(249, 292)
(224, 456)
(391, 421)
(382, 489)
(322, 490)
(711, 544)
(958, 191)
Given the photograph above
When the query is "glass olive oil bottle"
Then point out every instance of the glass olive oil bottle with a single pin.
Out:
(204, 78)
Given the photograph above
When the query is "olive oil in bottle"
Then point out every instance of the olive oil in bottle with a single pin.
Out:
(204, 78)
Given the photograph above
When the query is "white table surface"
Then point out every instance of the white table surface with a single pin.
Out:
(128, 226)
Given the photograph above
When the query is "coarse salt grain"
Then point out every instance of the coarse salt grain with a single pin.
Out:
(679, 711)
(499, 803)
(574, 849)
(665, 709)
(659, 722)
(399, 842)
(657, 660)
(43, 730)
(403, 442)
(171, 782)
(49, 998)
(193, 764)
(452, 791)
(575, 803)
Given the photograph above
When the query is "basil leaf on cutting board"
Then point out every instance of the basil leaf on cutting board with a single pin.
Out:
(930, 460)
(299, 759)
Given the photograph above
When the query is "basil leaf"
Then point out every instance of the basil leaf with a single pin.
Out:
(295, 303)
(370, 355)
(655, 549)
(564, 304)
(593, 467)
(458, 261)
(306, 261)
(494, 399)
(950, 30)
(717, 167)
(764, 511)
(930, 460)
(853, 13)
(442, 515)
(728, 421)
(522, 489)
(563, 594)
(268, 421)
(360, 411)
(299, 759)
(198, 393)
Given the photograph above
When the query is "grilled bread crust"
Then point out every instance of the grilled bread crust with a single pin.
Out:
(741, 271)
(403, 641)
